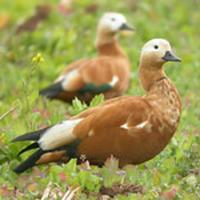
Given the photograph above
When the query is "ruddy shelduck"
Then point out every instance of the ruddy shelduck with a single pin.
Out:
(134, 129)
(108, 73)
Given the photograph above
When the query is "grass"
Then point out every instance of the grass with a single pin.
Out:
(174, 174)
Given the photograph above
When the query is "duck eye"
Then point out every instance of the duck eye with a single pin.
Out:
(156, 47)
(113, 19)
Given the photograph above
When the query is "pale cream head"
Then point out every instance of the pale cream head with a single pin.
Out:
(154, 54)
(157, 52)
(112, 22)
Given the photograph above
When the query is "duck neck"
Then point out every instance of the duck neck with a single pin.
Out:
(108, 45)
(149, 76)
(162, 95)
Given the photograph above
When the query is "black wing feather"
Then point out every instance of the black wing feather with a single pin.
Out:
(29, 162)
(52, 91)
(33, 136)
(31, 146)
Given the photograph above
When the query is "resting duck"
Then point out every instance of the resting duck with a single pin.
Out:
(134, 129)
(108, 73)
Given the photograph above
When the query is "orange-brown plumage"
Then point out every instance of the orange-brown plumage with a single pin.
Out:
(108, 73)
(134, 129)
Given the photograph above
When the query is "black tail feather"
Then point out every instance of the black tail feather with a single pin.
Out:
(33, 136)
(30, 162)
(70, 149)
(31, 146)
(52, 91)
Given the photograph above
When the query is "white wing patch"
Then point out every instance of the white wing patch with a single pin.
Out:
(138, 126)
(60, 78)
(115, 79)
(59, 135)
(125, 126)
(141, 125)
(70, 77)
(67, 79)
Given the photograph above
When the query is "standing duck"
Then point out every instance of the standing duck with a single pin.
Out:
(134, 129)
(108, 73)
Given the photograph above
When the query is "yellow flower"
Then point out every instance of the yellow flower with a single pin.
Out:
(38, 58)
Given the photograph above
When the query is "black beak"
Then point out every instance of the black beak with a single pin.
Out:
(126, 27)
(170, 56)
